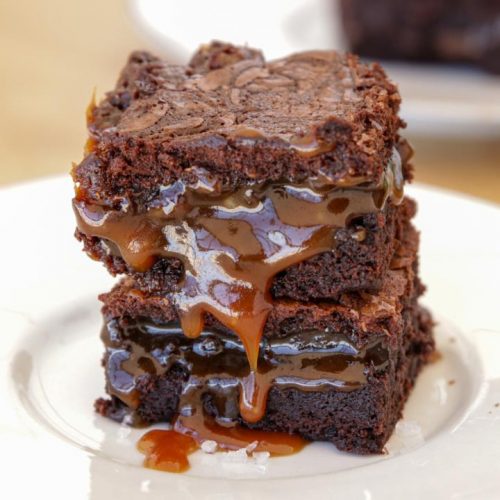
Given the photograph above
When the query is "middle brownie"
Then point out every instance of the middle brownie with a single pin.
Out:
(358, 261)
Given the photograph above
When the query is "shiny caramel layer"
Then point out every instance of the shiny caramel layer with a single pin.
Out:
(216, 363)
(233, 244)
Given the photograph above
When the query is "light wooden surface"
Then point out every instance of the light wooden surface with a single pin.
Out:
(53, 53)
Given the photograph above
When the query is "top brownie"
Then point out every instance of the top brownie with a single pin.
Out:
(242, 119)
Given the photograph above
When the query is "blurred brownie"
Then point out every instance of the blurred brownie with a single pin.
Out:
(429, 30)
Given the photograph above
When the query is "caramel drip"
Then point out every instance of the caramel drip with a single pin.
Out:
(234, 438)
(168, 450)
(231, 245)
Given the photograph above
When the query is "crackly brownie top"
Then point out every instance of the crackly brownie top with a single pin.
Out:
(242, 118)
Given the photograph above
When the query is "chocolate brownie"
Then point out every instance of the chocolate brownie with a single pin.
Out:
(429, 30)
(355, 416)
(257, 209)
(358, 261)
(243, 120)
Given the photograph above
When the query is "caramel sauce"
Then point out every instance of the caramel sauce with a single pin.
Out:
(232, 245)
(234, 438)
(312, 360)
(248, 133)
(307, 145)
(169, 450)
(91, 107)
(90, 146)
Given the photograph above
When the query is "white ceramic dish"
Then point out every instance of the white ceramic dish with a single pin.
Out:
(54, 446)
(437, 99)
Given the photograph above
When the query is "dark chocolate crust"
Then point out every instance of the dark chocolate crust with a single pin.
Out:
(445, 30)
(351, 265)
(240, 118)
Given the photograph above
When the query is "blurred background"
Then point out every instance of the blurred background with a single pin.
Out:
(54, 53)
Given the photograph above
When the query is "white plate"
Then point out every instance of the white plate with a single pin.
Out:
(437, 99)
(53, 445)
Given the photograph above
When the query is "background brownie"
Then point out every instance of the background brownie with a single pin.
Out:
(425, 30)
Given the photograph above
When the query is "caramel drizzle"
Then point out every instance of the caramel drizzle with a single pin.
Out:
(306, 145)
(310, 361)
(232, 245)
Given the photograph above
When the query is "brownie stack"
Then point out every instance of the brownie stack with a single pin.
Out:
(257, 211)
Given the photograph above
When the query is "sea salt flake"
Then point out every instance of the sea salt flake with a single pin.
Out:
(261, 457)
(251, 447)
(128, 420)
(409, 433)
(209, 446)
(237, 457)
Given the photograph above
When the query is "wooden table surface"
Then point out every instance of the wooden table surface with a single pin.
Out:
(54, 53)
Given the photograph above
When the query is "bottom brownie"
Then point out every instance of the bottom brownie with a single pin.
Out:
(338, 372)
(359, 420)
